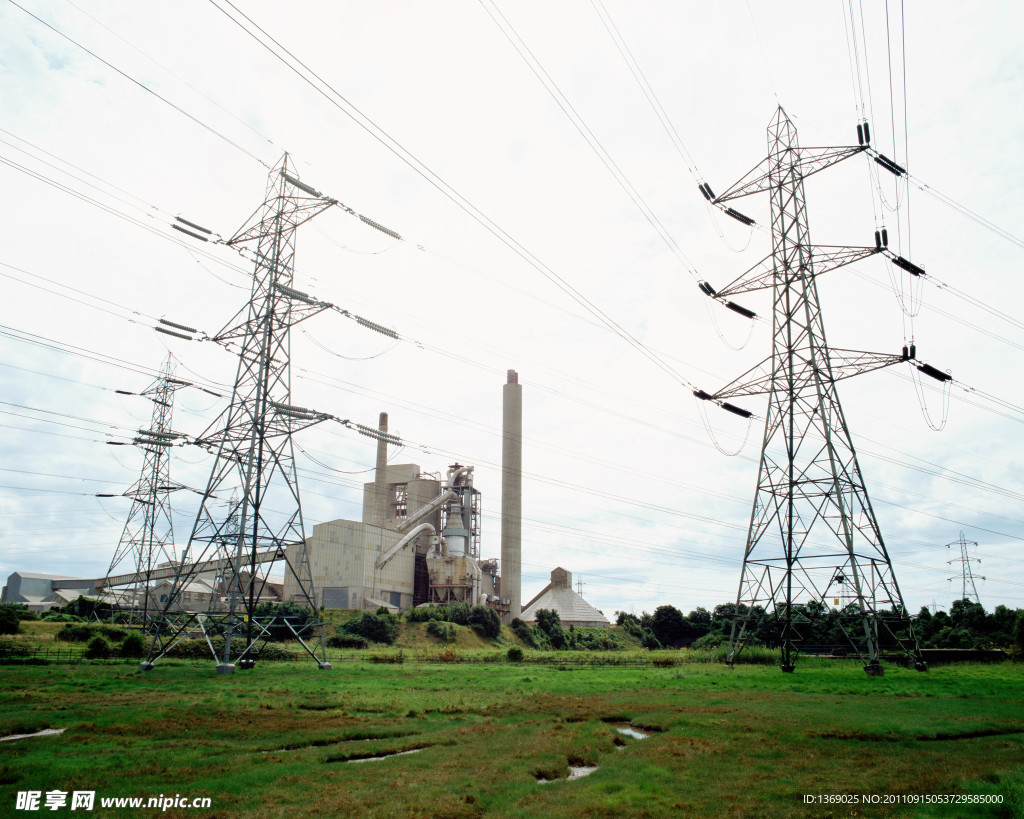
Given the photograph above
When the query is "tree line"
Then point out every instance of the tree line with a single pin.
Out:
(966, 625)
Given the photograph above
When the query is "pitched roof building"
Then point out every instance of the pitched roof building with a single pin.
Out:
(572, 609)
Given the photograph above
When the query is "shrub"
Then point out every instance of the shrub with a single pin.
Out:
(424, 614)
(441, 631)
(393, 659)
(710, 641)
(550, 624)
(55, 616)
(98, 649)
(75, 633)
(83, 632)
(515, 654)
(275, 614)
(523, 632)
(377, 627)
(21, 609)
(485, 622)
(345, 640)
(133, 646)
(9, 621)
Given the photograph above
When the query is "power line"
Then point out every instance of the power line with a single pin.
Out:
(329, 93)
(145, 88)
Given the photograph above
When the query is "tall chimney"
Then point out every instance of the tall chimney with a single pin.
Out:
(380, 484)
(512, 493)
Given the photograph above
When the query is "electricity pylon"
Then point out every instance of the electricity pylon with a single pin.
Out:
(970, 591)
(254, 453)
(812, 528)
(147, 540)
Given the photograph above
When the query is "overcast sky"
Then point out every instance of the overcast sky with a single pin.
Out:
(178, 111)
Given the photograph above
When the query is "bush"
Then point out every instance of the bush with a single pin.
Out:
(425, 614)
(133, 646)
(515, 654)
(523, 632)
(75, 633)
(199, 650)
(550, 624)
(98, 649)
(485, 622)
(710, 641)
(378, 627)
(83, 632)
(21, 609)
(9, 623)
(345, 640)
(275, 614)
(56, 616)
(389, 659)
(441, 631)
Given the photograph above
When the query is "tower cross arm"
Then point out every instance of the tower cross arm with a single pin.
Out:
(825, 258)
(261, 222)
(808, 160)
(841, 364)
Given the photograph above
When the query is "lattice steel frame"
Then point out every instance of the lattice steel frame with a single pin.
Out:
(148, 534)
(969, 591)
(254, 452)
(809, 481)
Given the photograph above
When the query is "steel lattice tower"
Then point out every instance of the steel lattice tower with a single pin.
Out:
(147, 540)
(254, 453)
(969, 590)
(812, 529)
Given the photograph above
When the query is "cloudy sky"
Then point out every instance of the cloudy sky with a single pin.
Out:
(485, 133)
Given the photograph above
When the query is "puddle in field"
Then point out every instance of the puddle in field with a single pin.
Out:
(48, 732)
(575, 772)
(385, 755)
(631, 732)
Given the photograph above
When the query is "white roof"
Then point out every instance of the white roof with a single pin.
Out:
(570, 606)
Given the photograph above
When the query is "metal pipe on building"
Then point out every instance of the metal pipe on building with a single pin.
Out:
(512, 493)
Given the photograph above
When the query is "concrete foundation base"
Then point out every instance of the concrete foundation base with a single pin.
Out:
(325, 666)
(788, 669)
(145, 665)
(874, 670)
(246, 663)
(225, 668)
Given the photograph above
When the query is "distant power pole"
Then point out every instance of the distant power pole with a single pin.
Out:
(147, 540)
(969, 590)
(252, 442)
(812, 528)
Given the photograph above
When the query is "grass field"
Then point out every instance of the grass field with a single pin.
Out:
(284, 738)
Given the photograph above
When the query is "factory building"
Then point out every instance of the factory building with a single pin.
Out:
(571, 608)
(42, 592)
(418, 543)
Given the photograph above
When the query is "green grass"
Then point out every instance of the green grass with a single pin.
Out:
(751, 741)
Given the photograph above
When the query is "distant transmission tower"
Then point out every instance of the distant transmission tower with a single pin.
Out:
(812, 528)
(970, 591)
(252, 440)
(147, 540)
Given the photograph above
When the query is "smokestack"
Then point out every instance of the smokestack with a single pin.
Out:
(512, 493)
(380, 486)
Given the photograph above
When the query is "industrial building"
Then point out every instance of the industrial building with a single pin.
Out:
(42, 592)
(418, 541)
(571, 608)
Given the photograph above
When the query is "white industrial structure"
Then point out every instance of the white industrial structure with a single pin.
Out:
(571, 608)
(418, 542)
